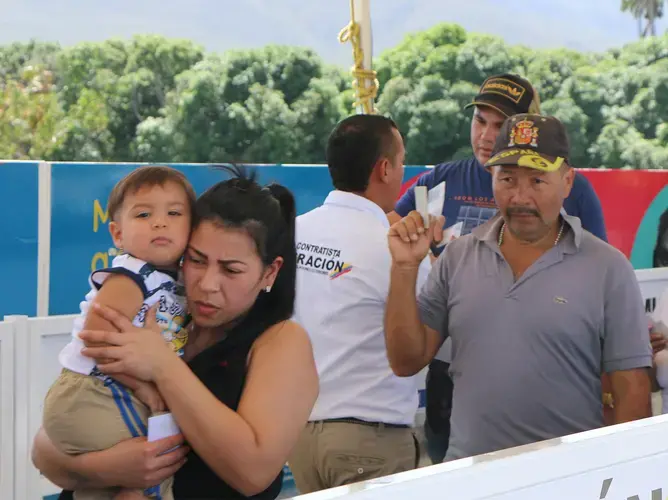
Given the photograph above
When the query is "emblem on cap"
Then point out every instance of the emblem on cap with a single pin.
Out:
(505, 87)
(523, 133)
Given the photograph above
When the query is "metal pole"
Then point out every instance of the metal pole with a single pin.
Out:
(362, 11)
(358, 33)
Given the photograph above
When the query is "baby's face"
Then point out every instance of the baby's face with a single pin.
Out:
(154, 224)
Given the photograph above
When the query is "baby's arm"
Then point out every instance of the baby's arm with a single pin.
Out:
(122, 294)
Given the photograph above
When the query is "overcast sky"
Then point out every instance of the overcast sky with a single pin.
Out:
(223, 24)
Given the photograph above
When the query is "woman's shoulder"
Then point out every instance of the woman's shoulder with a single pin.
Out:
(285, 335)
(286, 331)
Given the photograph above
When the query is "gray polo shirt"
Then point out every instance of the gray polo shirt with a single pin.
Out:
(527, 355)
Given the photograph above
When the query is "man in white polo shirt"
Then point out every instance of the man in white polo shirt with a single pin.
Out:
(361, 425)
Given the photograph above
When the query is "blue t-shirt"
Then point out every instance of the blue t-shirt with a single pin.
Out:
(469, 199)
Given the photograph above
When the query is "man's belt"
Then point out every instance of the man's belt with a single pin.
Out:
(351, 420)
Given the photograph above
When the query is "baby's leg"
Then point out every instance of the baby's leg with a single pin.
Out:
(83, 413)
(163, 491)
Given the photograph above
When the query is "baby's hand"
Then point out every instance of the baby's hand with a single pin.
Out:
(149, 395)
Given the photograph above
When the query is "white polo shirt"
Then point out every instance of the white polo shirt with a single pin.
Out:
(343, 279)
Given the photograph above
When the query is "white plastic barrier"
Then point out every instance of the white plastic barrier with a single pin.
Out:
(37, 342)
(7, 413)
(653, 282)
(622, 462)
(28, 365)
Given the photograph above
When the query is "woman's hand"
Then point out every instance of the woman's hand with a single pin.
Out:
(657, 340)
(138, 352)
(133, 463)
(136, 463)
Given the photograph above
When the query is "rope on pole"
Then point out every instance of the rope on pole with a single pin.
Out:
(365, 82)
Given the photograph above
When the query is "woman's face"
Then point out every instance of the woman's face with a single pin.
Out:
(223, 274)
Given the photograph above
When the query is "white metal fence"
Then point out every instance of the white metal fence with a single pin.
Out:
(29, 364)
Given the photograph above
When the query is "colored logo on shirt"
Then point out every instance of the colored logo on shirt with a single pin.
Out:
(321, 260)
(344, 270)
(471, 216)
(171, 318)
(173, 331)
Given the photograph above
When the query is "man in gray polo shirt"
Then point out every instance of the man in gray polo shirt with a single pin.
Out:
(535, 306)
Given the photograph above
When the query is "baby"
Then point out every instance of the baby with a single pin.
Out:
(85, 410)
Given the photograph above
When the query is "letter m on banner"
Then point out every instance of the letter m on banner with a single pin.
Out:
(99, 215)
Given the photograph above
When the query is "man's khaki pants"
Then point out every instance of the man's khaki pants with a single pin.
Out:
(336, 452)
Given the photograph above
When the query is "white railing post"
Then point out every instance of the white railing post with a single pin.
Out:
(22, 375)
(48, 335)
(653, 282)
(29, 364)
(43, 238)
(7, 420)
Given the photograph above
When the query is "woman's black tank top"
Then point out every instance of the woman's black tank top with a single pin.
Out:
(222, 369)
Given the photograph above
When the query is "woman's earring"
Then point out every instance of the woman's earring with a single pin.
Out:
(267, 289)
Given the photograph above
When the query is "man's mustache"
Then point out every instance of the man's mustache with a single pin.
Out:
(522, 211)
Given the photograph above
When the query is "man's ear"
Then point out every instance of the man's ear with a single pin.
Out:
(569, 178)
(383, 167)
(116, 235)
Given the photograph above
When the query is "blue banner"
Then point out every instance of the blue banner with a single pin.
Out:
(18, 250)
(80, 240)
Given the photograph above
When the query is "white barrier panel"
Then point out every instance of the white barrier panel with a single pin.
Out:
(653, 282)
(49, 335)
(29, 364)
(22, 384)
(37, 344)
(7, 414)
(622, 462)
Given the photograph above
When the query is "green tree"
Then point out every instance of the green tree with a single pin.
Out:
(622, 146)
(433, 132)
(592, 93)
(485, 55)
(405, 58)
(576, 122)
(134, 76)
(431, 115)
(84, 133)
(286, 69)
(160, 100)
(249, 106)
(317, 111)
(29, 116)
(646, 12)
(16, 57)
(547, 70)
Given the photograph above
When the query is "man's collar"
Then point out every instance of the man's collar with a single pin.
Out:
(481, 167)
(357, 202)
(489, 231)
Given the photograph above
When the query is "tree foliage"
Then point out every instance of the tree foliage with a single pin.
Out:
(154, 99)
(646, 13)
